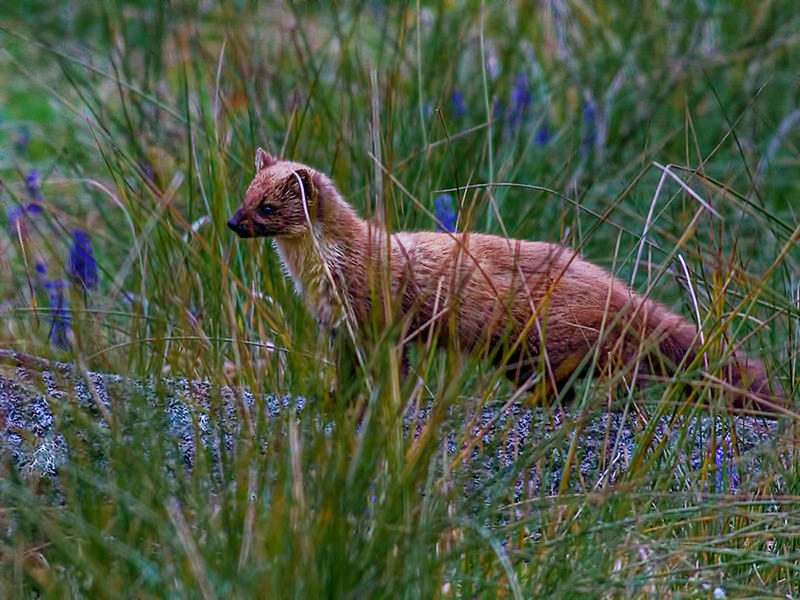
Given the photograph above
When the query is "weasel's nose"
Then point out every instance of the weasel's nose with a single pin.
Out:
(235, 222)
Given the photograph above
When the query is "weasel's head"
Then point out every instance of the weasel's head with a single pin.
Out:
(280, 201)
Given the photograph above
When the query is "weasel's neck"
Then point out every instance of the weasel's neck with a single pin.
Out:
(335, 245)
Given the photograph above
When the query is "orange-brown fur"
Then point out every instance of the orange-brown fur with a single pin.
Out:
(482, 292)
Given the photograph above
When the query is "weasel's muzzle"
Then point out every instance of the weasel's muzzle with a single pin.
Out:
(237, 224)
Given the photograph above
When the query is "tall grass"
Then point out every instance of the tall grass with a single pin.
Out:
(648, 140)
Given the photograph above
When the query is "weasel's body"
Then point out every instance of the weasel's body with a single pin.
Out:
(482, 292)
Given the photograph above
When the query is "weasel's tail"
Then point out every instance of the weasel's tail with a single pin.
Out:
(746, 379)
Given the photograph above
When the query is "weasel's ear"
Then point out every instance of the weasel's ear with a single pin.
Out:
(263, 159)
(307, 182)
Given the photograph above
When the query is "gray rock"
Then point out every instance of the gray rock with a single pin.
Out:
(499, 436)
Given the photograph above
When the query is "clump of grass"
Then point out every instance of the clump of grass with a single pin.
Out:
(658, 143)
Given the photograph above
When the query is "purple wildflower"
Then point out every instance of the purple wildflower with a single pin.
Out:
(542, 134)
(82, 266)
(497, 109)
(41, 268)
(520, 100)
(459, 107)
(521, 95)
(59, 314)
(33, 182)
(445, 213)
(15, 216)
(19, 216)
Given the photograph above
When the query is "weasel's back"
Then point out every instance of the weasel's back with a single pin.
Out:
(524, 296)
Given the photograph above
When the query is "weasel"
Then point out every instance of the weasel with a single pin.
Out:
(533, 307)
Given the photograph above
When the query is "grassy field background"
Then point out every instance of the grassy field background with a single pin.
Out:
(662, 142)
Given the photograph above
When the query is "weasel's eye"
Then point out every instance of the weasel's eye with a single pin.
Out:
(265, 210)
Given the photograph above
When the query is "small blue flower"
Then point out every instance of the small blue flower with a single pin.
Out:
(459, 107)
(15, 216)
(59, 314)
(82, 266)
(497, 109)
(18, 218)
(542, 134)
(521, 95)
(520, 100)
(41, 268)
(445, 213)
(32, 183)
